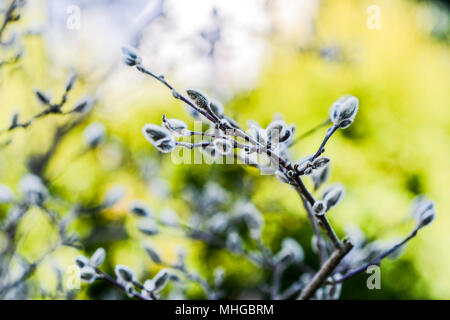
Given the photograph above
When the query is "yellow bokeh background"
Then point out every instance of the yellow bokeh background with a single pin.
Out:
(398, 146)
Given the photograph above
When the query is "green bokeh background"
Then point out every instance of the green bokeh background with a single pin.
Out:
(398, 147)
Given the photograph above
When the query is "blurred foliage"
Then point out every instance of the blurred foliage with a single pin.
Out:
(397, 148)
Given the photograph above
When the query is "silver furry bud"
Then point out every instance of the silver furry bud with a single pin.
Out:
(278, 131)
(343, 111)
(319, 207)
(140, 209)
(159, 137)
(320, 176)
(333, 195)
(88, 274)
(71, 81)
(129, 290)
(6, 194)
(98, 257)
(423, 211)
(176, 126)
(148, 227)
(199, 98)
(320, 162)
(33, 189)
(130, 56)
(153, 254)
(295, 248)
(113, 196)
(223, 146)
(81, 261)
(125, 273)
(161, 278)
(216, 107)
(83, 105)
(43, 97)
(94, 134)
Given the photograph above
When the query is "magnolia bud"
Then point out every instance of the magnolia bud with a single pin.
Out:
(140, 209)
(159, 137)
(198, 98)
(160, 280)
(333, 196)
(33, 189)
(129, 290)
(153, 254)
(320, 176)
(81, 261)
(6, 194)
(176, 126)
(88, 274)
(343, 111)
(148, 227)
(216, 107)
(98, 257)
(71, 81)
(169, 217)
(43, 98)
(320, 162)
(113, 196)
(223, 146)
(83, 105)
(124, 273)
(319, 207)
(175, 94)
(295, 248)
(284, 256)
(14, 121)
(234, 241)
(423, 211)
(278, 131)
(218, 222)
(94, 134)
(219, 276)
(130, 56)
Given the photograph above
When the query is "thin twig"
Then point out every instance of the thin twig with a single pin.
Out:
(320, 243)
(108, 278)
(377, 261)
(330, 132)
(329, 231)
(311, 131)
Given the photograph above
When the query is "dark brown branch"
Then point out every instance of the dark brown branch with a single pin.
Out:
(326, 270)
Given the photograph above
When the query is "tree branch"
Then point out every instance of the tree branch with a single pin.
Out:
(326, 270)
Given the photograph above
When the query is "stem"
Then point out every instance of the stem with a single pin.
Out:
(311, 131)
(293, 288)
(303, 190)
(107, 277)
(8, 14)
(277, 274)
(192, 277)
(312, 219)
(193, 145)
(377, 260)
(330, 132)
(329, 231)
(205, 134)
(326, 270)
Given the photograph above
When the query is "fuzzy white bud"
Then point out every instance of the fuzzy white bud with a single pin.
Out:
(343, 111)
